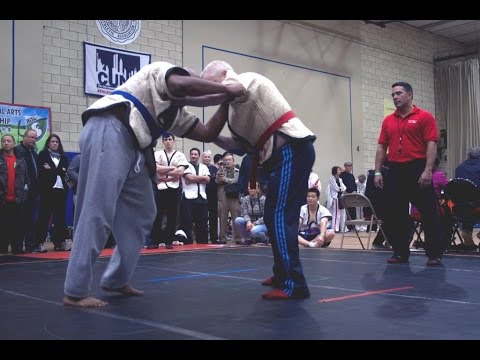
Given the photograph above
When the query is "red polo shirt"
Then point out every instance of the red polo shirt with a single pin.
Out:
(10, 160)
(415, 130)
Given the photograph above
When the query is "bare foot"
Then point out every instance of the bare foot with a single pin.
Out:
(126, 290)
(86, 302)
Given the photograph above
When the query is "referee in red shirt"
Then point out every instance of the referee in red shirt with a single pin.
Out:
(408, 140)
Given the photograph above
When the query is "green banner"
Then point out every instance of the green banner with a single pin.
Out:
(388, 107)
(15, 119)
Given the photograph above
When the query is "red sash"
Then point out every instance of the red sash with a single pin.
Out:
(262, 140)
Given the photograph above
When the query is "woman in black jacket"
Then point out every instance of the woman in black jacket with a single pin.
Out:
(53, 192)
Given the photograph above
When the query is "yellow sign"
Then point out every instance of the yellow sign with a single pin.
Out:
(388, 107)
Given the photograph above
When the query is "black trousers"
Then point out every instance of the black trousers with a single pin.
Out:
(52, 201)
(11, 228)
(194, 213)
(167, 201)
(31, 210)
(401, 187)
(213, 220)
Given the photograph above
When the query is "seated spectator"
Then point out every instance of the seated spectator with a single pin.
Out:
(250, 224)
(314, 219)
(439, 180)
(469, 169)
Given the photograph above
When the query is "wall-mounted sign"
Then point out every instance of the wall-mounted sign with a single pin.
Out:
(120, 32)
(108, 68)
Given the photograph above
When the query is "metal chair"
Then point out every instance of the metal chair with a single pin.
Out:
(463, 196)
(416, 229)
(358, 200)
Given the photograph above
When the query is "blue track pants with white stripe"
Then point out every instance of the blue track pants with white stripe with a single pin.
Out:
(288, 171)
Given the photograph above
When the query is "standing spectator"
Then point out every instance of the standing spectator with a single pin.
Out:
(314, 182)
(349, 181)
(410, 134)
(194, 210)
(212, 197)
(72, 175)
(361, 187)
(30, 209)
(335, 190)
(469, 169)
(13, 194)
(228, 195)
(168, 192)
(361, 184)
(53, 192)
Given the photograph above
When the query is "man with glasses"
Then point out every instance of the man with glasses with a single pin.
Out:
(30, 212)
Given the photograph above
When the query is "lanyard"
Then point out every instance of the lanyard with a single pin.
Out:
(401, 133)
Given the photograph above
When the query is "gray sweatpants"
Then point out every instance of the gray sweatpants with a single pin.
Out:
(114, 194)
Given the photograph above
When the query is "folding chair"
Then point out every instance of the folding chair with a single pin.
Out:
(358, 200)
(417, 229)
(464, 199)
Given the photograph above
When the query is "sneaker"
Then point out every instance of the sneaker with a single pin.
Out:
(40, 249)
(262, 243)
(434, 262)
(379, 247)
(68, 244)
(275, 294)
(397, 260)
(245, 241)
(60, 247)
(152, 246)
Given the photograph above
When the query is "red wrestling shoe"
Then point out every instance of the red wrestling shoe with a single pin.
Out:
(275, 294)
(268, 281)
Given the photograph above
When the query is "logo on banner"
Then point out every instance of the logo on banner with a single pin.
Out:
(108, 68)
(38, 124)
(119, 31)
(113, 69)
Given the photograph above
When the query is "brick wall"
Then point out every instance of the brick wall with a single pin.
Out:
(63, 89)
(395, 53)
